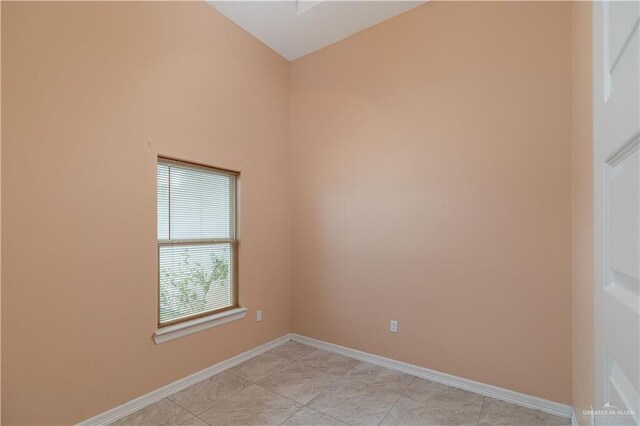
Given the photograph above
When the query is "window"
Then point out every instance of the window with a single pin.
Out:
(197, 241)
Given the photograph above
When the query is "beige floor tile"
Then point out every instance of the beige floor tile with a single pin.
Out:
(366, 395)
(422, 390)
(204, 395)
(329, 361)
(356, 403)
(444, 397)
(500, 413)
(409, 412)
(299, 382)
(194, 422)
(252, 406)
(260, 367)
(369, 373)
(291, 349)
(163, 412)
(308, 417)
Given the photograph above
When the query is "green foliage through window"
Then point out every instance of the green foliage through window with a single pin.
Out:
(186, 287)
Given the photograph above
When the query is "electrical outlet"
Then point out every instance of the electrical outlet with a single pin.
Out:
(394, 326)
(259, 315)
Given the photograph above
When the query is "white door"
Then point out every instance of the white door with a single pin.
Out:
(616, 99)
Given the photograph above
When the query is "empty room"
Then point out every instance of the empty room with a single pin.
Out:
(320, 212)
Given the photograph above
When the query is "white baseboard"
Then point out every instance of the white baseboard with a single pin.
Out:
(134, 405)
(518, 398)
(524, 400)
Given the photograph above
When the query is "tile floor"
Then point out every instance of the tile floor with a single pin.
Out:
(294, 384)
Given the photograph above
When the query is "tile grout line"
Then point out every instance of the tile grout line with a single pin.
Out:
(325, 414)
(182, 408)
(303, 404)
(202, 420)
(208, 408)
(351, 369)
(256, 383)
(222, 400)
(252, 384)
(292, 400)
(344, 376)
(291, 361)
(398, 399)
(480, 413)
(340, 376)
(291, 415)
(297, 402)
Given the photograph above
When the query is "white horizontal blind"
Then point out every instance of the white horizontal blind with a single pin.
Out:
(197, 244)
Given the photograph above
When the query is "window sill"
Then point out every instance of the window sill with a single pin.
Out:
(189, 327)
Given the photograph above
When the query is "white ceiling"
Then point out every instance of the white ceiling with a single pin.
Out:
(294, 28)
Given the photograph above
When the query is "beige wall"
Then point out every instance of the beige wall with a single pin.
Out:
(431, 170)
(92, 93)
(582, 204)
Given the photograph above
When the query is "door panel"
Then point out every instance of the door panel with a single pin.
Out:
(622, 210)
(623, 15)
(616, 102)
(621, 392)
